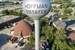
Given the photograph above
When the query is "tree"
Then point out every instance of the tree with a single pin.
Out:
(6, 12)
(60, 42)
(57, 38)
(31, 40)
(66, 7)
(47, 32)
(57, 1)
(12, 12)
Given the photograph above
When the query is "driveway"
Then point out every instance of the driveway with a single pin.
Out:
(10, 46)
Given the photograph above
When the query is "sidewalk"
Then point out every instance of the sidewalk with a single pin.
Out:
(9, 46)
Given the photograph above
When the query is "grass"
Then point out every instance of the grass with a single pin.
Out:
(5, 31)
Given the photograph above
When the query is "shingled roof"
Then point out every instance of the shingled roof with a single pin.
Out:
(72, 36)
(59, 24)
(24, 27)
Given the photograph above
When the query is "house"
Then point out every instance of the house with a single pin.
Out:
(70, 29)
(71, 36)
(8, 20)
(52, 18)
(59, 24)
(22, 27)
(71, 32)
(56, 21)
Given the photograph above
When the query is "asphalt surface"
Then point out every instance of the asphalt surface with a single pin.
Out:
(5, 44)
(10, 47)
(10, 7)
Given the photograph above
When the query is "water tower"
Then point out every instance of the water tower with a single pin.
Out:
(36, 9)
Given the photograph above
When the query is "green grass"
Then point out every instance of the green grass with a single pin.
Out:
(5, 31)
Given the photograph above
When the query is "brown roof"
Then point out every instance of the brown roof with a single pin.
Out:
(22, 27)
(72, 36)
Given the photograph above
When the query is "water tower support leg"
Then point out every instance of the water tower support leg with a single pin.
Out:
(36, 34)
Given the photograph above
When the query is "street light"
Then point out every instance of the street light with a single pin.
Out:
(36, 9)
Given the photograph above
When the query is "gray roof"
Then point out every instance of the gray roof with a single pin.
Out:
(59, 24)
(7, 18)
(71, 26)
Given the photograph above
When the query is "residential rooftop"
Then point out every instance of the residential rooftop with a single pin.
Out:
(7, 21)
(7, 18)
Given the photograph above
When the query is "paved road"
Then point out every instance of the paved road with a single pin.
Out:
(10, 7)
(5, 45)
(10, 46)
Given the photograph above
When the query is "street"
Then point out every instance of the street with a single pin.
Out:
(6, 45)
(10, 7)
(9, 46)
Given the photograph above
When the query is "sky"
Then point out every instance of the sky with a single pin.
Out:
(0, 0)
